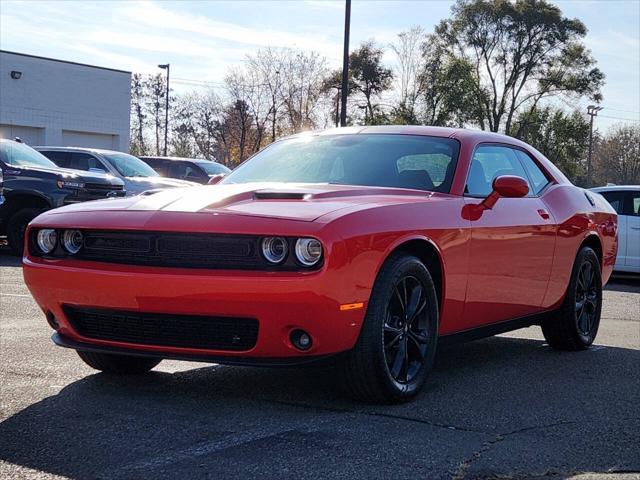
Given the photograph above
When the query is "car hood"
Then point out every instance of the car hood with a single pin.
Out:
(160, 182)
(94, 177)
(302, 202)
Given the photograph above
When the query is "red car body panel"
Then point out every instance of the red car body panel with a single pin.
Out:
(508, 262)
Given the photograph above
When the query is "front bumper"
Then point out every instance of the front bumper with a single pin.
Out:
(280, 301)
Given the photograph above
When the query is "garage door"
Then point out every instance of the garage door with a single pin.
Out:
(72, 138)
(29, 135)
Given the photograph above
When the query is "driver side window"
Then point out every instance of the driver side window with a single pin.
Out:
(489, 162)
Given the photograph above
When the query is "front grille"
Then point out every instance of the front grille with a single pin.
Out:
(102, 186)
(166, 249)
(167, 330)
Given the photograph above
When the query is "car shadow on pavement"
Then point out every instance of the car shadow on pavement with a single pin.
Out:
(500, 406)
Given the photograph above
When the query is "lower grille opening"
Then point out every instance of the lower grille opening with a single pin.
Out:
(168, 330)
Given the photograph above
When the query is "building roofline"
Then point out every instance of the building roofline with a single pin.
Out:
(64, 61)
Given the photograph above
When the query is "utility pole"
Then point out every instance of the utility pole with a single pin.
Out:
(165, 66)
(592, 111)
(345, 64)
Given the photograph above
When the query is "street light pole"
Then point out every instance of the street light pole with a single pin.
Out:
(165, 66)
(345, 64)
(592, 111)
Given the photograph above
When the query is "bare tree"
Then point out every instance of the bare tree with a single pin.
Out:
(138, 116)
(617, 156)
(156, 88)
(408, 51)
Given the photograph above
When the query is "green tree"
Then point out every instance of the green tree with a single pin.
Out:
(522, 52)
(562, 137)
(368, 77)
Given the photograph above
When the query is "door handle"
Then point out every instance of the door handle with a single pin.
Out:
(543, 213)
(635, 228)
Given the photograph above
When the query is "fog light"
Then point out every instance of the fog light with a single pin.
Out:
(46, 240)
(52, 321)
(301, 340)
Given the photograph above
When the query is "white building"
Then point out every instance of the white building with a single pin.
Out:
(53, 102)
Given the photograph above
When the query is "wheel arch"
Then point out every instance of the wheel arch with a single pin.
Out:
(592, 240)
(429, 253)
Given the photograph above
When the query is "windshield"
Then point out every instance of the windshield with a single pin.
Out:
(130, 166)
(21, 155)
(212, 168)
(401, 161)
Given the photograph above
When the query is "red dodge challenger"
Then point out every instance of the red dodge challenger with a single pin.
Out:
(372, 244)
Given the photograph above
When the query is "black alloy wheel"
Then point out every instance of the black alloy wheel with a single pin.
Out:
(406, 330)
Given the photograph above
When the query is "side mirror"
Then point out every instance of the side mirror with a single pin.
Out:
(97, 170)
(216, 178)
(508, 186)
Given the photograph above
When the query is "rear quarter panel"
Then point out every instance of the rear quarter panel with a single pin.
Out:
(577, 220)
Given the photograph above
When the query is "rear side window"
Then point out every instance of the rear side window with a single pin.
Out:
(489, 162)
(616, 199)
(537, 178)
(85, 161)
(62, 159)
(634, 204)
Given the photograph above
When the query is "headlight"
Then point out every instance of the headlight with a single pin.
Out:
(46, 239)
(308, 251)
(275, 249)
(72, 241)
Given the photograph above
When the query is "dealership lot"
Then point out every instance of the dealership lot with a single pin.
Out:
(506, 407)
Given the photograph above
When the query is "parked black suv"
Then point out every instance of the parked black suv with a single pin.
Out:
(192, 169)
(33, 183)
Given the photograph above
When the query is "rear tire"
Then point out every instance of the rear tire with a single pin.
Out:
(574, 325)
(16, 227)
(397, 343)
(119, 364)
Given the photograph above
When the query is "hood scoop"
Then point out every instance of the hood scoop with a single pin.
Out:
(280, 195)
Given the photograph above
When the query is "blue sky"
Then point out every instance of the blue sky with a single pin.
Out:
(202, 38)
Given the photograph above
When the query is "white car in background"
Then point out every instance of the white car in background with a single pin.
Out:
(625, 199)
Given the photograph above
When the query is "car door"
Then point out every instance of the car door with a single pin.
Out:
(632, 214)
(512, 244)
(617, 200)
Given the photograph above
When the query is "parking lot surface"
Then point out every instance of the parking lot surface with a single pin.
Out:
(504, 407)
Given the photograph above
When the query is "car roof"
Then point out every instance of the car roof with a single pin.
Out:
(177, 159)
(444, 132)
(76, 149)
(615, 188)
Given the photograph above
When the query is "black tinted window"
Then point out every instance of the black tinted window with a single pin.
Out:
(85, 161)
(62, 159)
(489, 162)
(537, 178)
(616, 199)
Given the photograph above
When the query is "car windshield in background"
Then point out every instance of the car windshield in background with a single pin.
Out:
(21, 155)
(130, 166)
(382, 160)
(213, 168)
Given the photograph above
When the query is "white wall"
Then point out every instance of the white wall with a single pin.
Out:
(51, 97)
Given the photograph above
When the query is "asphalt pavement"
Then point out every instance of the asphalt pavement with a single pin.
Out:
(499, 408)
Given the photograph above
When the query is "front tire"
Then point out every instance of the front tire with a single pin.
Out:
(397, 343)
(118, 364)
(16, 227)
(574, 325)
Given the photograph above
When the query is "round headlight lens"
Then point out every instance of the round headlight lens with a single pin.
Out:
(308, 251)
(275, 249)
(46, 239)
(72, 241)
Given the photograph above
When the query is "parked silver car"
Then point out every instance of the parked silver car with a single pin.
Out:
(137, 176)
(625, 199)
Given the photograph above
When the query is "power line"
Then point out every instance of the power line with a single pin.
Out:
(620, 118)
(619, 110)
